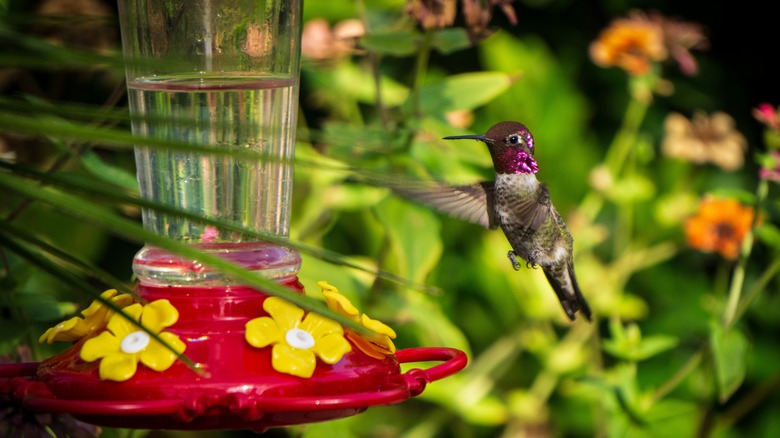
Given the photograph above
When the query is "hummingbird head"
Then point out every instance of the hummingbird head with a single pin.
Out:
(511, 146)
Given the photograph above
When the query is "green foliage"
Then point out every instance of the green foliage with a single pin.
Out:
(682, 343)
(729, 352)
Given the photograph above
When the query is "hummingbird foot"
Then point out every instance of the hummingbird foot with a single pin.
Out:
(513, 258)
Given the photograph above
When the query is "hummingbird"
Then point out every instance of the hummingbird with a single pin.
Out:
(518, 203)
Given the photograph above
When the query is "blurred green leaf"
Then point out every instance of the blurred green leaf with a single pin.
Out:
(74, 264)
(353, 196)
(414, 237)
(432, 326)
(666, 418)
(469, 394)
(350, 143)
(402, 43)
(729, 353)
(628, 343)
(631, 189)
(408, 42)
(463, 91)
(740, 195)
(42, 306)
(769, 234)
(108, 172)
(347, 80)
(28, 50)
(451, 40)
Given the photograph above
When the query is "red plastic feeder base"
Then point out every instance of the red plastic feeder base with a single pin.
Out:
(239, 388)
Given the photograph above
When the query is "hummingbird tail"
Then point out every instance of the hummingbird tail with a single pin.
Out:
(569, 293)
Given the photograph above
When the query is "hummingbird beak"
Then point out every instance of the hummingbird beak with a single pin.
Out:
(479, 137)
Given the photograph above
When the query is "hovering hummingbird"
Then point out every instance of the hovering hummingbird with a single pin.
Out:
(517, 203)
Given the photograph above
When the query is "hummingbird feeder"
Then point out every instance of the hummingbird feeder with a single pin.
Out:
(221, 73)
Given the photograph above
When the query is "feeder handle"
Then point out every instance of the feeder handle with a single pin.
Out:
(412, 384)
(416, 379)
(454, 360)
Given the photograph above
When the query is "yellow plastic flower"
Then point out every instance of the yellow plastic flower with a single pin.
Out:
(377, 346)
(297, 340)
(95, 317)
(124, 344)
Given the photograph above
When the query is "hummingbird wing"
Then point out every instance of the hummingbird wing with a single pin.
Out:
(472, 203)
(529, 212)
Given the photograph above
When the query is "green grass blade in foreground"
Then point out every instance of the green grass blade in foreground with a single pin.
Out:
(81, 267)
(60, 128)
(83, 185)
(97, 215)
(24, 49)
(68, 277)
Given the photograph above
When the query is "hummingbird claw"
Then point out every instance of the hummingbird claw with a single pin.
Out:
(513, 259)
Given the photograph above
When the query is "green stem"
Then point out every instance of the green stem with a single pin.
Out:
(420, 70)
(384, 118)
(485, 370)
(757, 288)
(543, 385)
(679, 376)
(738, 279)
(626, 137)
(617, 153)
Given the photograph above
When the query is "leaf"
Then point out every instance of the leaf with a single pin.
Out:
(352, 196)
(653, 345)
(451, 40)
(740, 195)
(408, 42)
(462, 92)
(628, 344)
(108, 172)
(52, 253)
(395, 44)
(41, 306)
(414, 237)
(729, 353)
(630, 189)
(349, 142)
(348, 81)
(769, 234)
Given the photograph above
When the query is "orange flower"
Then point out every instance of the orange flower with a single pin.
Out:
(632, 44)
(719, 225)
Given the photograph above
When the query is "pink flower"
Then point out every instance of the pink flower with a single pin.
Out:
(209, 234)
(770, 169)
(767, 114)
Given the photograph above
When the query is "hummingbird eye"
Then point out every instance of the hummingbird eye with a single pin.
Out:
(514, 139)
